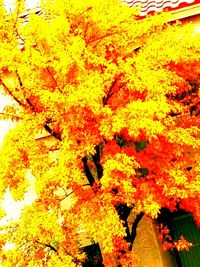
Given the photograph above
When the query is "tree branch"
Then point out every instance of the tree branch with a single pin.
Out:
(12, 95)
(30, 104)
(104, 36)
(54, 134)
(47, 245)
(53, 78)
(96, 159)
(88, 173)
(76, 260)
(46, 127)
(123, 212)
(128, 234)
(15, 29)
(19, 79)
(110, 93)
(51, 247)
(67, 195)
(49, 71)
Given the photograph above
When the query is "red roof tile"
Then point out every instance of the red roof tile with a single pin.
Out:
(150, 6)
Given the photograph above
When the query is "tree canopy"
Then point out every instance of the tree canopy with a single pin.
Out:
(118, 100)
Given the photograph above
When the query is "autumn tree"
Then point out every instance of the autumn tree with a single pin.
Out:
(118, 97)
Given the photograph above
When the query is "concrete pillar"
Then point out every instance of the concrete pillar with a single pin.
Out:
(147, 247)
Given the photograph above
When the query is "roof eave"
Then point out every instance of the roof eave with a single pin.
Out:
(185, 12)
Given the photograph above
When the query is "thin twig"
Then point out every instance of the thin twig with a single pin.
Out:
(67, 195)
(19, 79)
(12, 95)
(110, 92)
(23, 245)
(53, 78)
(103, 37)
(47, 245)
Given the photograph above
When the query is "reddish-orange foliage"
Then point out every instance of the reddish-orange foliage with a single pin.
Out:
(117, 99)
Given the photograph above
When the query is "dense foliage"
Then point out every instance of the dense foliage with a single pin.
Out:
(117, 98)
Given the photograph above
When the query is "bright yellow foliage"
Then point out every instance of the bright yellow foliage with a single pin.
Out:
(106, 112)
